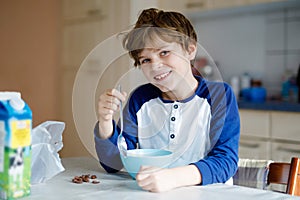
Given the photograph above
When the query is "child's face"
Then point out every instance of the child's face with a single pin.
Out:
(166, 65)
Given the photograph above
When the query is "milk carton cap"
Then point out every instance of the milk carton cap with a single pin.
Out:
(17, 103)
(14, 98)
(4, 96)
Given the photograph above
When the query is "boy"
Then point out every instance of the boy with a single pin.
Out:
(196, 119)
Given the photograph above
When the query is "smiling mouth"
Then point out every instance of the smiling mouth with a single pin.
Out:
(162, 76)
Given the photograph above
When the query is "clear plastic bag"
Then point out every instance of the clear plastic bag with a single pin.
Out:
(46, 143)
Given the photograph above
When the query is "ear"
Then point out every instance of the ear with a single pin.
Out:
(192, 50)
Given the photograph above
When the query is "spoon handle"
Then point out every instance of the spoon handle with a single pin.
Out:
(121, 110)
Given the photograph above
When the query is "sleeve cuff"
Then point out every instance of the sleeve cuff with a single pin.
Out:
(205, 172)
(113, 139)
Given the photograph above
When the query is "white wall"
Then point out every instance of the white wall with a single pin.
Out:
(235, 43)
(264, 44)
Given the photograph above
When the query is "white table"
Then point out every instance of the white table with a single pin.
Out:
(121, 186)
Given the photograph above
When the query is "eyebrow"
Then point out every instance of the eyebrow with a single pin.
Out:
(140, 57)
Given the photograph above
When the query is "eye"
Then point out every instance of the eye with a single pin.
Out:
(164, 53)
(144, 61)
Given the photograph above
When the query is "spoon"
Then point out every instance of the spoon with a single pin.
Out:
(122, 146)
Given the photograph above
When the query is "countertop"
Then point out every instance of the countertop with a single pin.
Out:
(270, 105)
(121, 186)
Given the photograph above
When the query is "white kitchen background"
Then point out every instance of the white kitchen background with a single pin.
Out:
(257, 39)
(261, 41)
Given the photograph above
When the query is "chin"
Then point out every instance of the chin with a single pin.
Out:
(163, 88)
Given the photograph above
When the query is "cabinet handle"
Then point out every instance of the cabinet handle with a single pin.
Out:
(194, 5)
(289, 150)
(249, 145)
(94, 12)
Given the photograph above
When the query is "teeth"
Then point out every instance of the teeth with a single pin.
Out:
(159, 77)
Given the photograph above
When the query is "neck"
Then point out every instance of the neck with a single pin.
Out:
(183, 90)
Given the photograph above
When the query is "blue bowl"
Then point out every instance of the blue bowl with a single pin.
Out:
(145, 157)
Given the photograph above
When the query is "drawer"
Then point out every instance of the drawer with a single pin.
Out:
(285, 125)
(255, 123)
(254, 149)
(283, 152)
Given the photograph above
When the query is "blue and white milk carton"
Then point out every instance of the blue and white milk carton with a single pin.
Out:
(15, 146)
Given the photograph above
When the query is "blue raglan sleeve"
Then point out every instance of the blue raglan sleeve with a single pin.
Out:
(221, 162)
(107, 149)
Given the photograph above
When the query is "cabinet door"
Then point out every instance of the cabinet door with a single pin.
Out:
(254, 149)
(184, 5)
(220, 4)
(285, 126)
(78, 40)
(255, 123)
(72, 143)
(204, 5)
(79, 9)
(283, 152)
(85, 25)
(82, 32)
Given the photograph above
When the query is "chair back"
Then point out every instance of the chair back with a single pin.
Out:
(286, 174)
(293, 186)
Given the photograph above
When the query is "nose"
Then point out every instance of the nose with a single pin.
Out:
(156, 63)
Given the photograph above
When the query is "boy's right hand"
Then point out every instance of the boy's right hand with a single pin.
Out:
(108, 104)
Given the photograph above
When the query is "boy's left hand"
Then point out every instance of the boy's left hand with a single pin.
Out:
(156, 179)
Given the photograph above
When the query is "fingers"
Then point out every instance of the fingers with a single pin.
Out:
(109, 102)
(147, 178)
(143, 179)
(114, 92)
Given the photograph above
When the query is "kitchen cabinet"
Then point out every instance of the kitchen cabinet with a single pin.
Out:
(271, 135)
(285, 126)
(254, 148)
(82, 9)
(187, 6)
(255, 134)
(255, 123)
(78, 40)
(85, 24)
(286, 135)
(283, 151)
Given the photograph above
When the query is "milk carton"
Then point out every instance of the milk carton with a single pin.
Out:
(15, 146)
